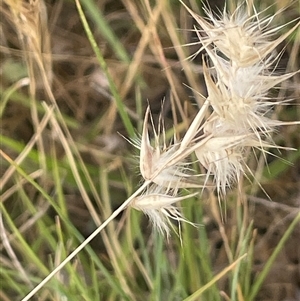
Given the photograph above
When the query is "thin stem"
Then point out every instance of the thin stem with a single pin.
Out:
(85, 242)
(263, 274)
(199, 292)
(120, 105)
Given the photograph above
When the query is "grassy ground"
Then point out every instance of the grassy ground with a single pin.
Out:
(65, 167)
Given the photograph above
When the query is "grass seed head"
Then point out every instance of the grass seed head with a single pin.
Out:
(245, 40)
(157, 162)
(239, 70)
(158, 204)
(223, 157)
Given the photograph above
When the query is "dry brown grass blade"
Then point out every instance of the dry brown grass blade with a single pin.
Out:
(10, 191)
(146, 30)
(157, 49)
(112, 249)
(22, 156)
(12, 255)
(30, 22)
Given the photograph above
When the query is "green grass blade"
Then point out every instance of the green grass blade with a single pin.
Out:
(105, 30)
(27, 249)
(263, 274)
(121, 107)
(201, 290)
(109, 276)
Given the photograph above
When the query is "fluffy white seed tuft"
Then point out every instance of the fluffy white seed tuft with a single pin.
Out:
(158, 204)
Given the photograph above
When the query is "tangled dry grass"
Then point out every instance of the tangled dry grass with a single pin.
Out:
(213, 139)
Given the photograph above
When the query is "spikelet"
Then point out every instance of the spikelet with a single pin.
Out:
(167, 172)
(158, 204)
(163, 165)
(243, 39)
(241, 52)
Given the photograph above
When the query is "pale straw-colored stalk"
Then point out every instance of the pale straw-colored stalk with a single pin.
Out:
(85, 242)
